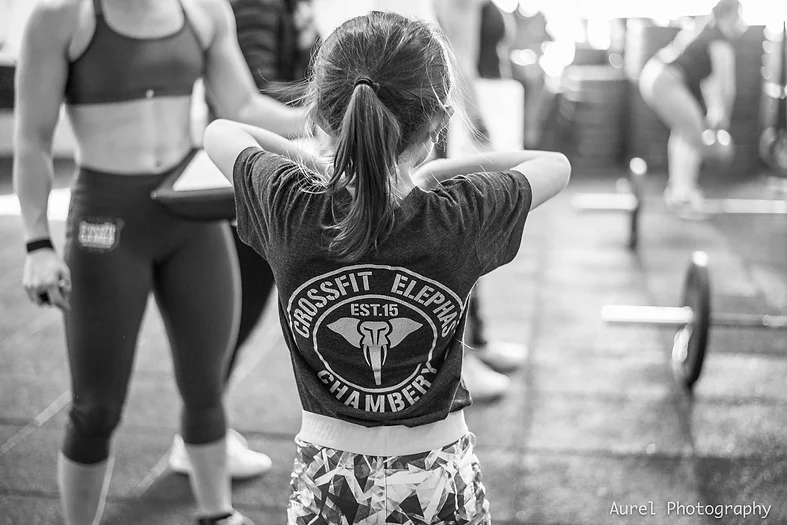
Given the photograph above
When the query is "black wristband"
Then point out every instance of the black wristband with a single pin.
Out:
(39, 244)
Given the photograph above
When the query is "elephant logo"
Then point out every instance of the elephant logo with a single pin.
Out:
(375, 338)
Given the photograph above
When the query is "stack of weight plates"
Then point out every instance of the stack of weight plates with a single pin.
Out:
(592, 110)
(646, 134)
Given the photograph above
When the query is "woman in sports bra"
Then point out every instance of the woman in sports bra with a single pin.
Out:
(125, 70)
(691, 86)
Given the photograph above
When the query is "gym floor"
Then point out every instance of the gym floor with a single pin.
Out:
(594, 424)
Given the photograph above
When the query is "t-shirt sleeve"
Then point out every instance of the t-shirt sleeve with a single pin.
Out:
(498, 203)
(263, 182)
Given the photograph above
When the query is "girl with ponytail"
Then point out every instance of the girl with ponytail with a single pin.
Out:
(375, 252)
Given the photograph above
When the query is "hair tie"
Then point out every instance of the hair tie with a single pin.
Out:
(369, 82)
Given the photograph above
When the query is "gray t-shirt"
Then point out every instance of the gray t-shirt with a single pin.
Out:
(378, 341)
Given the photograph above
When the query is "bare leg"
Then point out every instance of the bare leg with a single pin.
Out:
(684, 166)
(666, 93)
(83, 489)
(211, 481)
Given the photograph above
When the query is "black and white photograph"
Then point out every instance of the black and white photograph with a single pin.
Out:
(408, 262)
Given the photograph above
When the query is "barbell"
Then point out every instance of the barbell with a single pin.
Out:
(693, 320)
(629, 199)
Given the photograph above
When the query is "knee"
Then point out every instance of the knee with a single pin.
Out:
(89, 431)
(96, 419)
(203, 423)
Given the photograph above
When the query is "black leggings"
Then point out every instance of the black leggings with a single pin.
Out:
(256, 285)
(120, 245)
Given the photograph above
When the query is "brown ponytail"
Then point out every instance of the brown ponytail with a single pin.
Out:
(377, 81)
(365, 154)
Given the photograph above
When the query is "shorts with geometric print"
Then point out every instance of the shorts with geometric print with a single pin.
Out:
(343, 488)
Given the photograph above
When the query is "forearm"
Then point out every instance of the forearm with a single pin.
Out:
(274, 143)
(729, 101)
(433, 173)
(269, 114)
(33, 174)
(719, 87)
(719, 99)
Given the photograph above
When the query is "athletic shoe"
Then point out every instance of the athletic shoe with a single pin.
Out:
(243, 463)
(688, 206)
(501, 356)
(236, 518)
(483, 383)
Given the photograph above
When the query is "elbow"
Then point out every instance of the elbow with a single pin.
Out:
(214, 133)
(211, 131)
(32, 144)
(562, 170)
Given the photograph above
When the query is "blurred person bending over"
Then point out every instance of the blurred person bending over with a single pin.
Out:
(690, 84)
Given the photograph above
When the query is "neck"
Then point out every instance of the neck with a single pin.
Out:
(404, 181)
(403, 184)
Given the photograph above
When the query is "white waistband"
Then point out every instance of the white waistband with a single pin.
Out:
(393, 440)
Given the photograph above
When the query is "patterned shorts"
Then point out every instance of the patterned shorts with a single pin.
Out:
(334, 487)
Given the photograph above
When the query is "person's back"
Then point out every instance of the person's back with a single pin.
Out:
(384, 332)
(374, 259)
(492, 33)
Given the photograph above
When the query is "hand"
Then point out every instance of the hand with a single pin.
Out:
(47, 279)
(716, 120)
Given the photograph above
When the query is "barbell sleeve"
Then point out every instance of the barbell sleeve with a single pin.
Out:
(683, 315)
(776, 322)
(746, 207)
(648, 315)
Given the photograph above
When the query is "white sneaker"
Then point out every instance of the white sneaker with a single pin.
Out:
(235, 519)
(483, 383)
(243, 463)
(501, 356)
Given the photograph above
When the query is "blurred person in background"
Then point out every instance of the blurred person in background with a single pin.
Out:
(491, 358)
(530, 36)
(690, 84)
(276, 38)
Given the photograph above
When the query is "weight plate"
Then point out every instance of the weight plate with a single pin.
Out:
(691, 342)
(779, 150)
(638, 169)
